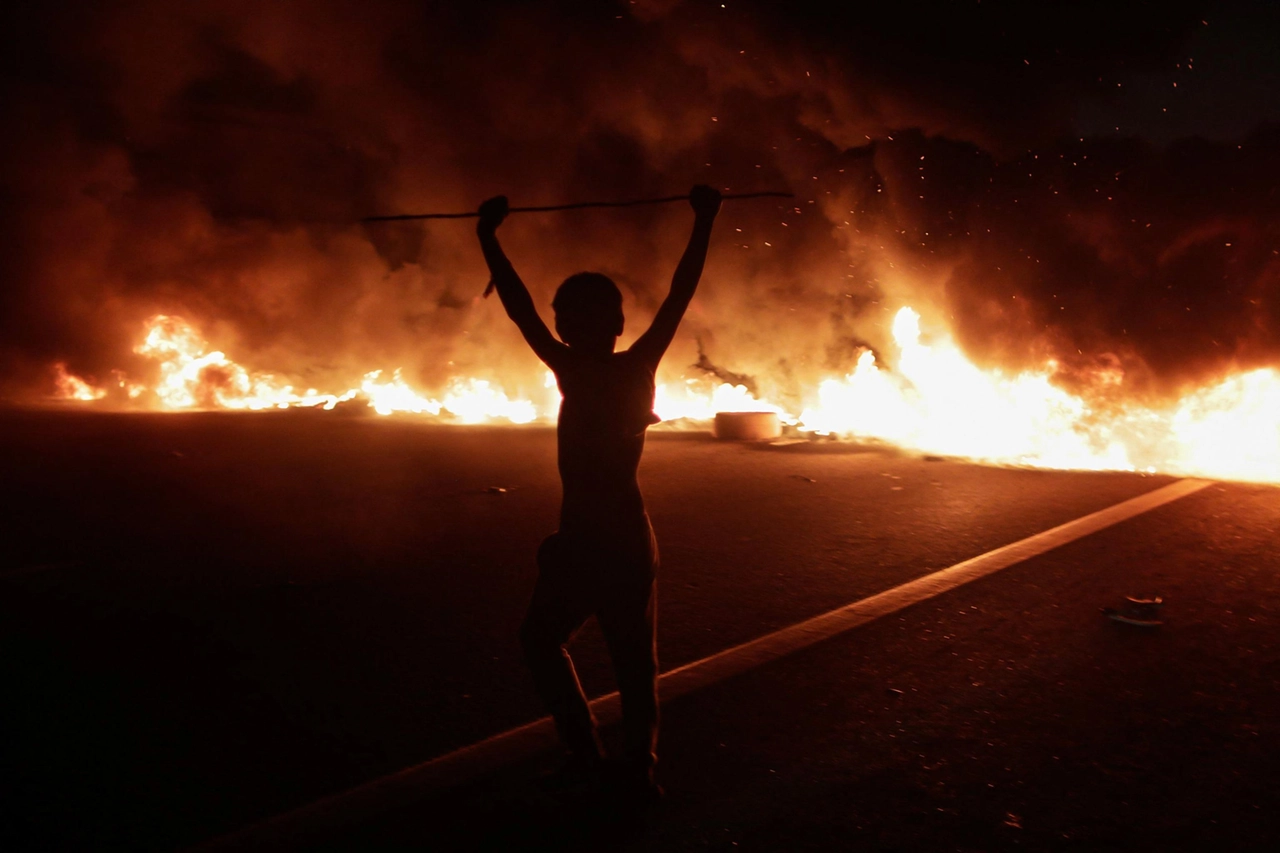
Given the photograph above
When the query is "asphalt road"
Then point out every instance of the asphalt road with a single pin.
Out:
(210, 619)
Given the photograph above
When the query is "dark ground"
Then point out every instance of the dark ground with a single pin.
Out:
(209, 619)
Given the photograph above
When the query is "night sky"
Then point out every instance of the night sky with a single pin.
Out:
(1090, 182)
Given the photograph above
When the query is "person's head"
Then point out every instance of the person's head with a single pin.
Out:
(588, 308)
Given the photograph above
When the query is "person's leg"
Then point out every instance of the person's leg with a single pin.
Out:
(627, 620)
(559, 607)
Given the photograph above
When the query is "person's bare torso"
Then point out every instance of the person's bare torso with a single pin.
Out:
(607, 406)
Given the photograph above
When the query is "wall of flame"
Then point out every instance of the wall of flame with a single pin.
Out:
(936, 400)
(210, 160)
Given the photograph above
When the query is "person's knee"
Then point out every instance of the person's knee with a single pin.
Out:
(551, 553)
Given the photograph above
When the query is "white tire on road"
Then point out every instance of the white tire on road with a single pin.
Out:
(746, 426)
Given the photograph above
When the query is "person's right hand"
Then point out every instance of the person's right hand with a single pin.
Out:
(705, 201)
(492, 212)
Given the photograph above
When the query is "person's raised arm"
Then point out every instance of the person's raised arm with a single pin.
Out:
(511, 290)
(705, 202)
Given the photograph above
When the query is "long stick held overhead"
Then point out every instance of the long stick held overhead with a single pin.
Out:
(578, 205)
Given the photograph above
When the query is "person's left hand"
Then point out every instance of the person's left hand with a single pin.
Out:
(492, 212)
(705, 201)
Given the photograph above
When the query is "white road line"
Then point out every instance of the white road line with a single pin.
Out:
(527, 741)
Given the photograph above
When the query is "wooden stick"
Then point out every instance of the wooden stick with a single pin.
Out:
(574, 206)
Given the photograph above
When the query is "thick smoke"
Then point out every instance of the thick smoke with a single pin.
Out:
(211, 160)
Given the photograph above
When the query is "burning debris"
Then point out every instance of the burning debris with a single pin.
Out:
(1084, 292)
(726, 377)
(70, 387)
(935, 401)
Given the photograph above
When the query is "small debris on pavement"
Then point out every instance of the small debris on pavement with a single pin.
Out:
(1143, 612)
(803, 477)
(895, 691)
(497, 490)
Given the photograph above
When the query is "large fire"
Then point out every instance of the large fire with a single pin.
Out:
(933, 400)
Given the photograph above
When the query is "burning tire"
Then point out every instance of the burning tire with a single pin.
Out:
(746, 426)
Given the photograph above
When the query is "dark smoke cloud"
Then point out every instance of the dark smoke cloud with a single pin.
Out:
(1106, 252)
(211, 160)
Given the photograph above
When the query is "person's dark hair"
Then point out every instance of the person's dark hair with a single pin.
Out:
(587, 293)
(588, 305)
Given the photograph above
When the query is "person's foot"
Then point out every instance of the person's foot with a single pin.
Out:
(631, 783)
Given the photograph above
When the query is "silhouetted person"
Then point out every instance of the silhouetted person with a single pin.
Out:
(602, 560)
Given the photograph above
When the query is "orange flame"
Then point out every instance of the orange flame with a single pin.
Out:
(934, 400)
(938, 401)
(71, 387)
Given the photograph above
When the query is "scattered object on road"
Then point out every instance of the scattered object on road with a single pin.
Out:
(1143, 612)
(894, 690)
(787, 442)
(932, 458)
(803, 477)
(746, 426)
(497, 490)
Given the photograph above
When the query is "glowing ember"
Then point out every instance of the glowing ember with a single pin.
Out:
(933, 400)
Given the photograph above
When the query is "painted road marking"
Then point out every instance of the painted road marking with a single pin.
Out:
(527, 741)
